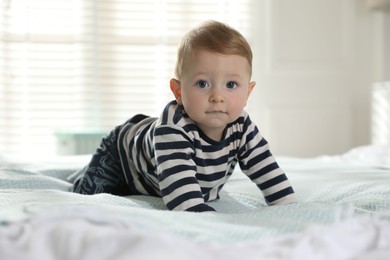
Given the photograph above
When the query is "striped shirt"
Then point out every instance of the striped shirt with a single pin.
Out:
(171, 157)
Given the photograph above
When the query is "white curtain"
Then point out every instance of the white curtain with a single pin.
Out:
(84, 65)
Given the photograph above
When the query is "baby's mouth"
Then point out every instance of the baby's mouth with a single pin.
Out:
(216, 112)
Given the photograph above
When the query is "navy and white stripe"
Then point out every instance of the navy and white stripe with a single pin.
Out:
(170, 157)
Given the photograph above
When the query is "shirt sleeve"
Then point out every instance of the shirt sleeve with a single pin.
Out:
(176, 170)
(258, 163)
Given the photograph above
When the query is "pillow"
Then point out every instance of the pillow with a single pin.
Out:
(377, 155)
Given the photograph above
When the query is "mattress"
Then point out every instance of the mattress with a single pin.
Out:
(343, 212)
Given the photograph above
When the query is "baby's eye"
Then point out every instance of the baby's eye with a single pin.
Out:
(231, 84)
(202, 84)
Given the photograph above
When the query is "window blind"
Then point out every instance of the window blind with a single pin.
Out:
(68, 65)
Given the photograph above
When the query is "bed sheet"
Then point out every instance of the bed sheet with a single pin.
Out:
(341, 206)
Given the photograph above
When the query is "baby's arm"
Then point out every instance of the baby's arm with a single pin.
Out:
(258, 163)
(176, 170)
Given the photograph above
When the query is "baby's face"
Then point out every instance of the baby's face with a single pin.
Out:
(215, 91)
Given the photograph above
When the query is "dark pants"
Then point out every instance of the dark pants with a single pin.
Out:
(104, 172)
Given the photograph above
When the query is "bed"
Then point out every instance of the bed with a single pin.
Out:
(343, 213)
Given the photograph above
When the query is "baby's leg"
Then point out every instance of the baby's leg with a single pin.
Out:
(104, 172)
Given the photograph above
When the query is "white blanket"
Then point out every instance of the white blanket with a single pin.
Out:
(95, 234)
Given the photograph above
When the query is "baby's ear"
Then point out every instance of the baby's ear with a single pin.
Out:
(176, 89)
(250, 87)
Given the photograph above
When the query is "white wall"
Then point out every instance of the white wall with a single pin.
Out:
(386, 41)
(315, 61)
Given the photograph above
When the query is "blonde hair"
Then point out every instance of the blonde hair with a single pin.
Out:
(211, 36)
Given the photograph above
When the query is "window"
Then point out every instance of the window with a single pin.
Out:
(89, 65)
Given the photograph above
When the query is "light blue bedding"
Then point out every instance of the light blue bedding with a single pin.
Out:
(343, 213)
(328, 191)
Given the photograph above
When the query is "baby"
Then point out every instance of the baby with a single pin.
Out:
(188, 153)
